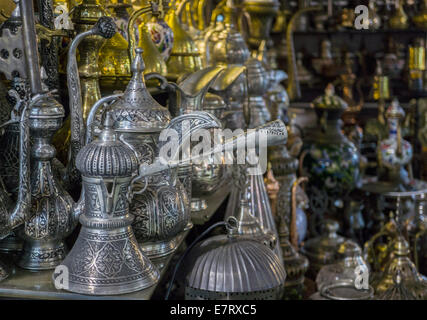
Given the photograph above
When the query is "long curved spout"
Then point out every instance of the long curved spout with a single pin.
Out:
(293, 88)
(106, 28)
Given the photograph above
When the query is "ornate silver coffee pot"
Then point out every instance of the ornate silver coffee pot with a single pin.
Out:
(162, 211)
(106, 258)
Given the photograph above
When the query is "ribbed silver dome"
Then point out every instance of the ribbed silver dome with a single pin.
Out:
(106, 156)
(240, 266)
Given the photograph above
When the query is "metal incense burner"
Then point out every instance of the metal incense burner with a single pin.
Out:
(240, 268)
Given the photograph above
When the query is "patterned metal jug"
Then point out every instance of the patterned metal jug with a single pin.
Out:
(106, 258)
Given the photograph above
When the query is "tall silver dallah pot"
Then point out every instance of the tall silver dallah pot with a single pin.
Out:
(106, 258)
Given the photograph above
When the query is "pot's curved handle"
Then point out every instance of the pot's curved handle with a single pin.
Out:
(91, 117)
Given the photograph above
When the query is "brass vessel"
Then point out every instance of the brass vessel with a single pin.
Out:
(185, 57)
(84, 18)
(260, 15)
(400, 280)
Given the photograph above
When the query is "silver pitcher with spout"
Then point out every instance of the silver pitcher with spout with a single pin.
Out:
(106, 258)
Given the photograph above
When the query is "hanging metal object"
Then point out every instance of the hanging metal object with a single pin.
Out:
(238, 269)
(106, 258)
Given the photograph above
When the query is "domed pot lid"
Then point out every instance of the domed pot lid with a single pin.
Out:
(107, 156)
(238, 266)
(137, 110)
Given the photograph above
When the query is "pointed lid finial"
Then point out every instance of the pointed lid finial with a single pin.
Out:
(138, 65)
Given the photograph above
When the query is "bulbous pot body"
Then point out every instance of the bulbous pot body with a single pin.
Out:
(44, 234)
(160, 214)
